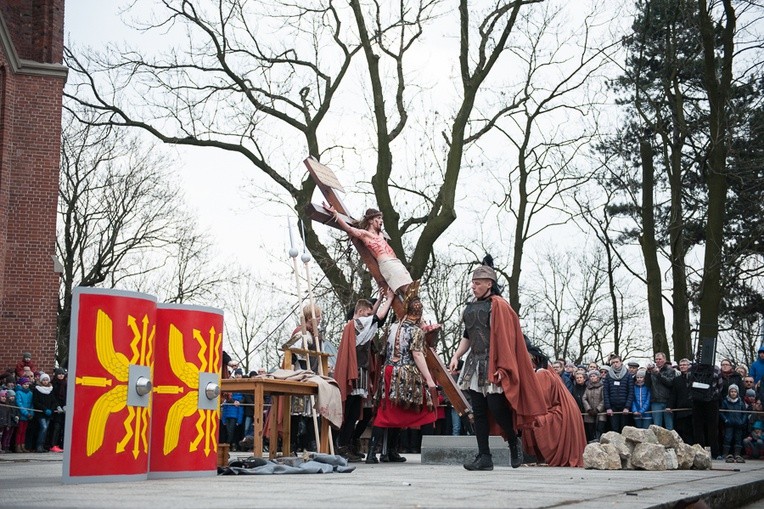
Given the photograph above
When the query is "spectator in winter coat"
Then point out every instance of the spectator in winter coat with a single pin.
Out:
(640, 407)
(594, 406)
(59, 383)
(232, 416)
(660, 380)
(9, 418)
(44, 403)
(579, 388)
(705, 391)
(24, 402)
(735, 422)
(757, 367)
(619, 393)
(24, 365)
(754, 444)
(729, 376)
(680, 398)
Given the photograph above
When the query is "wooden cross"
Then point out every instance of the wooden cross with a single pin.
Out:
(328, 183)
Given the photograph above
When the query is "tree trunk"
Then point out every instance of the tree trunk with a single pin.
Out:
(717, 77)
(650, 252)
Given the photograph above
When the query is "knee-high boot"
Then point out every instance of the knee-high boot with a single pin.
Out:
(393, 444)
(371, 455)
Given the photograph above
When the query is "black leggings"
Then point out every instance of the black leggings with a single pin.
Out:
(351, 430)
(499, 407)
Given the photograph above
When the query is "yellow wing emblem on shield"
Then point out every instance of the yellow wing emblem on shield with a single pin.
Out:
(114, 362)
(109, 403)
(187, 372)
(184, 407)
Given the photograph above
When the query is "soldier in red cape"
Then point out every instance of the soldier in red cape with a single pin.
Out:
(498, 372)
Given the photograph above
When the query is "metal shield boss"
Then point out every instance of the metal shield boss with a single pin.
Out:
(108, 417)
(186, 409)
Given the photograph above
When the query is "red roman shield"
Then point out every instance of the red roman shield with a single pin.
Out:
(108, 418)
(185, 406)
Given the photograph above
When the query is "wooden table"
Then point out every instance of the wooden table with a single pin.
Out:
(262, 386)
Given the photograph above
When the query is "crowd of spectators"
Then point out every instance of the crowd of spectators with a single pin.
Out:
(718, 407)
(32, 408)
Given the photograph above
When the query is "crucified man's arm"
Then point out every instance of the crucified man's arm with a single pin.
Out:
(350, 230)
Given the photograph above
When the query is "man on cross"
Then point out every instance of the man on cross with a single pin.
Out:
(370, 233)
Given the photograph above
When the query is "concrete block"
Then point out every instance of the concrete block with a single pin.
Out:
(455, 450)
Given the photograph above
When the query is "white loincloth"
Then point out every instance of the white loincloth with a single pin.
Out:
(395, 273)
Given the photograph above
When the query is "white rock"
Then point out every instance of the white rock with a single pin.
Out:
(616, 439)
(639, 436)
(702, 460)
(595, 456)
(669, 439)
(649, 456)
(672, 462)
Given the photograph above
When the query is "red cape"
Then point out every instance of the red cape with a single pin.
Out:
(509, 359)
(346, 364)
(559, 434)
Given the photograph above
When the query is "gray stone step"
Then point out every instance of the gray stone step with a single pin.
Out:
(455, 450)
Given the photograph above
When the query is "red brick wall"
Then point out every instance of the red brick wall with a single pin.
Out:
(30, 137)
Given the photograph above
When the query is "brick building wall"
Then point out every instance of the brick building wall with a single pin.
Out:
(31, 83)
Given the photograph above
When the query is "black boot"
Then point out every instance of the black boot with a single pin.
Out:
(515, 452)
(481, 462)
(393, 445)
(355, 447)
(371, 455)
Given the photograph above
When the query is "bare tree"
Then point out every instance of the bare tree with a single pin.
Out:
(115, 206)
(570, 311)
(258, 322)
(556, 89)
(231, 89)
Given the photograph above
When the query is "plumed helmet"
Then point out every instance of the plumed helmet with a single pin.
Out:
(485, 271)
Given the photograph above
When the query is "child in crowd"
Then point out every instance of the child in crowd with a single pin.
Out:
(9, 418)
(24, 403)
(594, 406)
(754, 444)
(735, 421)
(44, 403)
(641, 405)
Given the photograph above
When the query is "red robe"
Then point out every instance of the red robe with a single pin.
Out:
(346, 365)
(510, 361)
(559, 434)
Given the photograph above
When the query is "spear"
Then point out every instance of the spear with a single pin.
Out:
(293, 252)
(305, 260)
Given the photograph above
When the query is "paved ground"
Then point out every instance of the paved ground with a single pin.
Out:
(34, 480)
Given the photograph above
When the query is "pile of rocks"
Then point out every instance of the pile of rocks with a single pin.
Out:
(655, 448)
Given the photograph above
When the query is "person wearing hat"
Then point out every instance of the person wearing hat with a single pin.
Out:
(640, 407)
(9, 418)
(735, 422)
(757, 367)
(24, 402)
(498, 373)
(59, 384)
(44, 404)
(633, 367)
(370, 233)
(25, 362)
